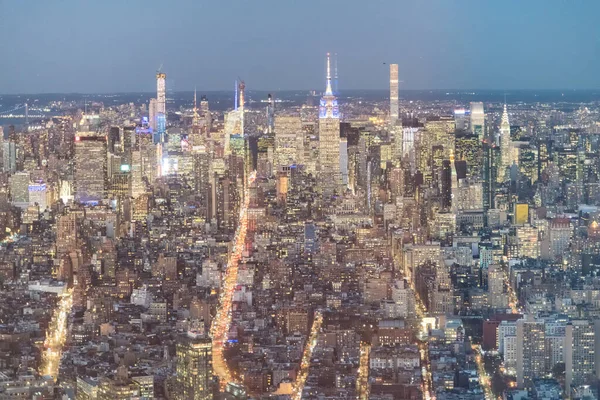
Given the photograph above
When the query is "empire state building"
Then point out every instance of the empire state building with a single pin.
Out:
(330, 176)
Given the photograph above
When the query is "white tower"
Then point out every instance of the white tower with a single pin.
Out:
(393, 93)
(329, 140)
(504, 146)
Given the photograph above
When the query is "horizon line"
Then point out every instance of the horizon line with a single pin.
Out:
(315, 90)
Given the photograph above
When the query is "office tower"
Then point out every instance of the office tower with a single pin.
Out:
(9, 156)
(120, 185)
(19, 189)
(505, 156)
(446, 184)
(344, 160)
(270, 114)
(152, 112)
(393, 94)
(194, 367)
(38, 194)
(531, 356)
(496, 296)
(580, 354)
(489, 175)
(329, 140)
(478, 120)
(460, 119)
(289, 143)
(89, 175)
(469, 149)
(559, 236)
(527, 241)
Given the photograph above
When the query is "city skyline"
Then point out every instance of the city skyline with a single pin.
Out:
(476, 46)
(186, 226)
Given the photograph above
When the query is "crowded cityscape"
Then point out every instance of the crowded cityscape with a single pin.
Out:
(310, 244)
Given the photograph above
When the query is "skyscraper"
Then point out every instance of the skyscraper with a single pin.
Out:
(478, 119)
(531, 356)
(393, 93)
(288, 140)
(161, 96)
(89, 175)
(161, 107)
(152, 114)
(194, 368)
(329, 139)
(579, 353)
(9, 156)
(19, 189)
(504, 147)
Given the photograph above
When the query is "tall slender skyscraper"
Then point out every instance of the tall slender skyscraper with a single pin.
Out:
(504, 146)
(393, 93)
(478, 119)
(161, 97)
(161, 107)
(270, 114)
(329, 140)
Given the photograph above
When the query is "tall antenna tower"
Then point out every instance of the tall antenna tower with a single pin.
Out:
(335, 76)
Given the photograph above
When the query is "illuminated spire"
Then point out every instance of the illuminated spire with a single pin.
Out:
(504, 121)
(328, 90)
(196, 117)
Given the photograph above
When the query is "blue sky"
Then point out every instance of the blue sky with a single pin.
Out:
(116, 45)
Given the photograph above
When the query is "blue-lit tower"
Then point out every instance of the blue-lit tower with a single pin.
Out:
(329, 140)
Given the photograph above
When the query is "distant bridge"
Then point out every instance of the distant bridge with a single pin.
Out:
(18, 107)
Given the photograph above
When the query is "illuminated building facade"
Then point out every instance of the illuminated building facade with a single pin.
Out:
(505, 149)
(289, 143)
(394, 111)
(194, 368)
(478, 120)
(19, 189)
(329, 140)
(89, 175)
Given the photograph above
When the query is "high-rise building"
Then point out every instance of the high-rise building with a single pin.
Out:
(559, 236)
(161, 107)
(19, 189)
(194, 368)
(478, 119)
(9, 156)
(161, 94)
(394, 111)
(344, 160)
(38, 194)
(152, 110)
(531, 356)
(505, 150)
(89, 175)
(446, 183)
(289, 143)
(496, 296)
(579, 353)
(489, 175)
(329, 140)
